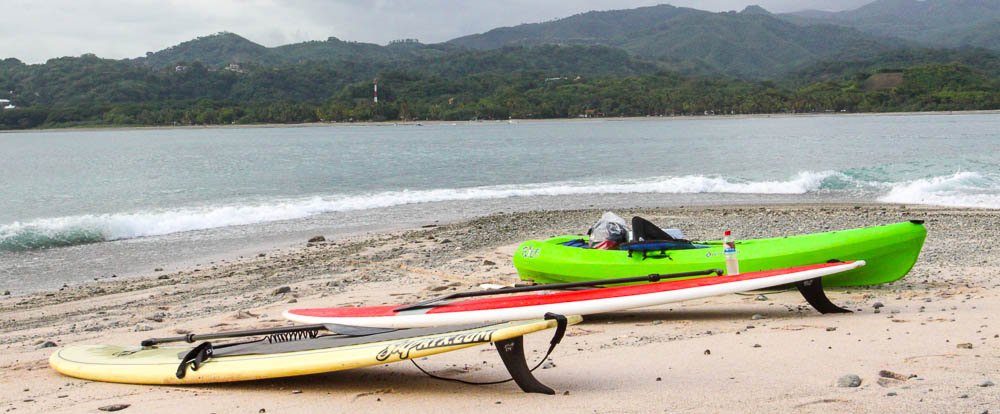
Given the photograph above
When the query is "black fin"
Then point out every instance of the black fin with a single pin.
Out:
(512, 353)
(812, 290)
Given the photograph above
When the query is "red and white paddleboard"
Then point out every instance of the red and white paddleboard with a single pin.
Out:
(580, 302)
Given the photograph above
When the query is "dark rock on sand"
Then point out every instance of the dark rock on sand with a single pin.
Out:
(489, 263)
(317, 239)
(849, 381)
(46, 344)
(986, 383)
(282, 290)
(894, 375)
(114, 407)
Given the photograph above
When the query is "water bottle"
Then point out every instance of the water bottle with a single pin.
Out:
(729, 249)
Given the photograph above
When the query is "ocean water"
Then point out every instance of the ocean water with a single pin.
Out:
(78, 205)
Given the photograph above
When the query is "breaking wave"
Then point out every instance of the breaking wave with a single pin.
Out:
(962, 189)
(82, 229)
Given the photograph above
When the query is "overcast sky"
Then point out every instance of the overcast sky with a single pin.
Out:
(36, 30)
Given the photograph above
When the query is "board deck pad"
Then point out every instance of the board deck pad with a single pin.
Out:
(159, 364)
(580, 302)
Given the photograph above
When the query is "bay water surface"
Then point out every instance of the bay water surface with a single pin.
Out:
(78, 205)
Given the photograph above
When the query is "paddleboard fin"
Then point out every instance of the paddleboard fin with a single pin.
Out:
(512, 353)
(812, 290)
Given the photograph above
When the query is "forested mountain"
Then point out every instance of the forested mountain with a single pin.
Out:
(980, 60)
(752, 43)
(942, 23)
(224, 48)
(89, 80)
(654, 61)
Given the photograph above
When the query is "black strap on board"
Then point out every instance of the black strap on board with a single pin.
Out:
(512, 354)
(195, 358)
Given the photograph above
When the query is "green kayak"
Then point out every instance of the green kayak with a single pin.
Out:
(889, 251)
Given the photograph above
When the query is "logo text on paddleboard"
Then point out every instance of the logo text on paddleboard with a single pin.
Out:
(529, 252)
(404, 348)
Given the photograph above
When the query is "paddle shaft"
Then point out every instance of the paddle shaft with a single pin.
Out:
(191, 338)
(555, 286)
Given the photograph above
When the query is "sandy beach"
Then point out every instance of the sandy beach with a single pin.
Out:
(935, 331)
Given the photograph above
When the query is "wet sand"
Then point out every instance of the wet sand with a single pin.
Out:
(937, 329)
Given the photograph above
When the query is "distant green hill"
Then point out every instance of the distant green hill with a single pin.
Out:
(752, 43)
(90, 80)
(848, 67)
(221, 49)
(941, 23)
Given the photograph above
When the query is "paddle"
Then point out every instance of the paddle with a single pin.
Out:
(309, 330)
(556, 286)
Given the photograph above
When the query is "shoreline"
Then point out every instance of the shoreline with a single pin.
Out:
(653, 357)
(513, 121)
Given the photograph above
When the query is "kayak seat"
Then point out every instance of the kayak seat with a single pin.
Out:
(643, 230)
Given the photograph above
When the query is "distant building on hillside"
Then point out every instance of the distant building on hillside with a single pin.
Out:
(5, 104)
(235, 67)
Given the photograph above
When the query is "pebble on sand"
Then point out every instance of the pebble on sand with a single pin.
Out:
(141, 327)
(986, 383)
(317, 239)
(964, 346)
(114, 407)
(282, 290)
(849, 381)
(761, 298)
(757, 316)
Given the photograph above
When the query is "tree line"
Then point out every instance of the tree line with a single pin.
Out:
(96, 92)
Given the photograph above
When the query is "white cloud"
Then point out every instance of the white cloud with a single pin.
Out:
(35, 31)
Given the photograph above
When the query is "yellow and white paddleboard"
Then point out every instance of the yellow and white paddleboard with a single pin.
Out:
(159, 364)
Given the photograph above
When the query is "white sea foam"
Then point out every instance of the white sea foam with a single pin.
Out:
(70, 230)
(962, 189)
